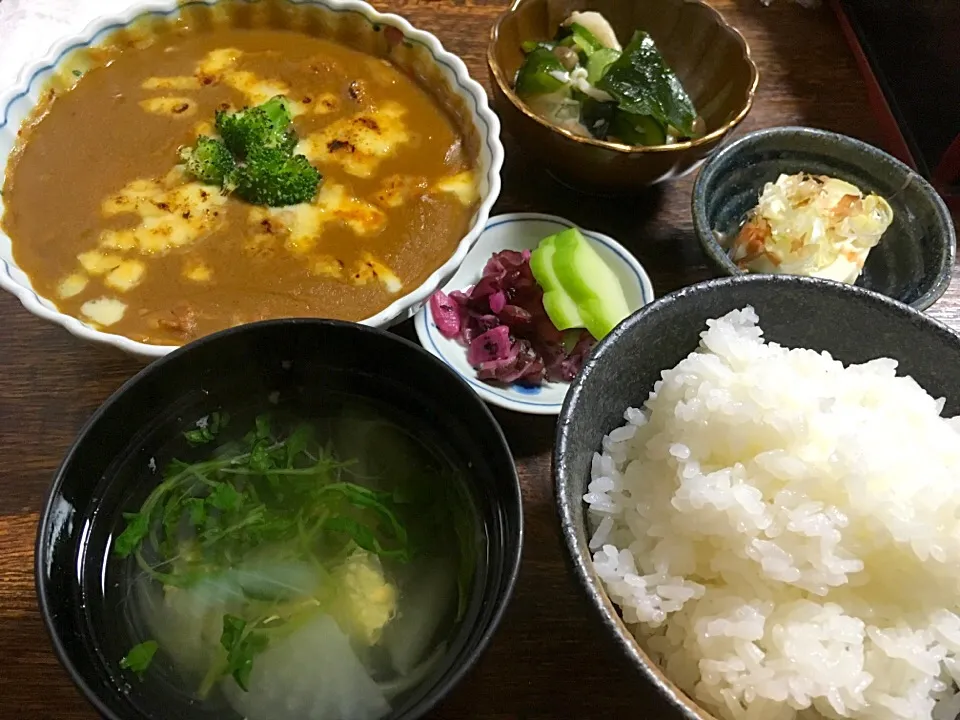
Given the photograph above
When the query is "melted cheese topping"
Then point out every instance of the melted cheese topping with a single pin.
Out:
(303, 226)
(327, 266)
(169, 217)
(359, 216)
(197, 271)
(218, 67)
(126, 275)
(324, 104)
(256, 89)
(398, 189)
(72, 285)
(463, 185)
(360, 142)
(369, 268)
(98, 263)
(301, 223)
(215, 63)
(171, 105)
(118, 240)
(304, 223)
(205, 127)
(262, 245)
(103, 311)
(188, 82)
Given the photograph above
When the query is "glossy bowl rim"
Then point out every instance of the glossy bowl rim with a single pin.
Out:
(504, 85)
(511, 560)
(485, 120)
(578, 555)
(718, 255)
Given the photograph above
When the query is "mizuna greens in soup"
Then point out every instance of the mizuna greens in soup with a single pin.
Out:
(303, 570)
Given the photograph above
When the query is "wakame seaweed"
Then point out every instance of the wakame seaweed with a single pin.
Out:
(642, 84)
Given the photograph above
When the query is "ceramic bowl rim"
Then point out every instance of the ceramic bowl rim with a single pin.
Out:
(481, 115)
(488, 394)
(504, 85)
(578, 554)
(718, 256)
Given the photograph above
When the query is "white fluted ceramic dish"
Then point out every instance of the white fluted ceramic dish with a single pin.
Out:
(356, 24)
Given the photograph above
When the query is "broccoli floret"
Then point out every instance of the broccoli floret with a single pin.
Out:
(209, 161)
(275, 178)
(265, 127)
(255, 157)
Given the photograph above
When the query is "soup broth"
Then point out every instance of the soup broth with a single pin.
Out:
(284, 569)
(107, 225)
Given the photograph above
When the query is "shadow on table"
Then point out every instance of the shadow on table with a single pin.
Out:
(806, 68)
(527, 435)
(34, 685)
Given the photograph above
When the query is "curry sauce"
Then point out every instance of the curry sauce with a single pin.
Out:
(108, 226)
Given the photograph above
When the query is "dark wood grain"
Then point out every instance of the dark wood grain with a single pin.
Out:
(546, 660)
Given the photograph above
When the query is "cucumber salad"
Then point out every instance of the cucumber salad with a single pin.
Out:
(585, 82)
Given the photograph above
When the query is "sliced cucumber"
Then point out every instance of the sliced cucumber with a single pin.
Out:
(637, 129)
(599, 62)
(540, 74)
(654, 131)
(589, 282)
(561, 309)
(585, 39)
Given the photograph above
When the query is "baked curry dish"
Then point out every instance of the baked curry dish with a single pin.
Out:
(211, 175)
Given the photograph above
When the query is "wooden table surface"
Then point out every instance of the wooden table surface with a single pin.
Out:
(546, 661)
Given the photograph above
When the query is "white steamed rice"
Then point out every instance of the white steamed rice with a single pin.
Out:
(781, 532)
